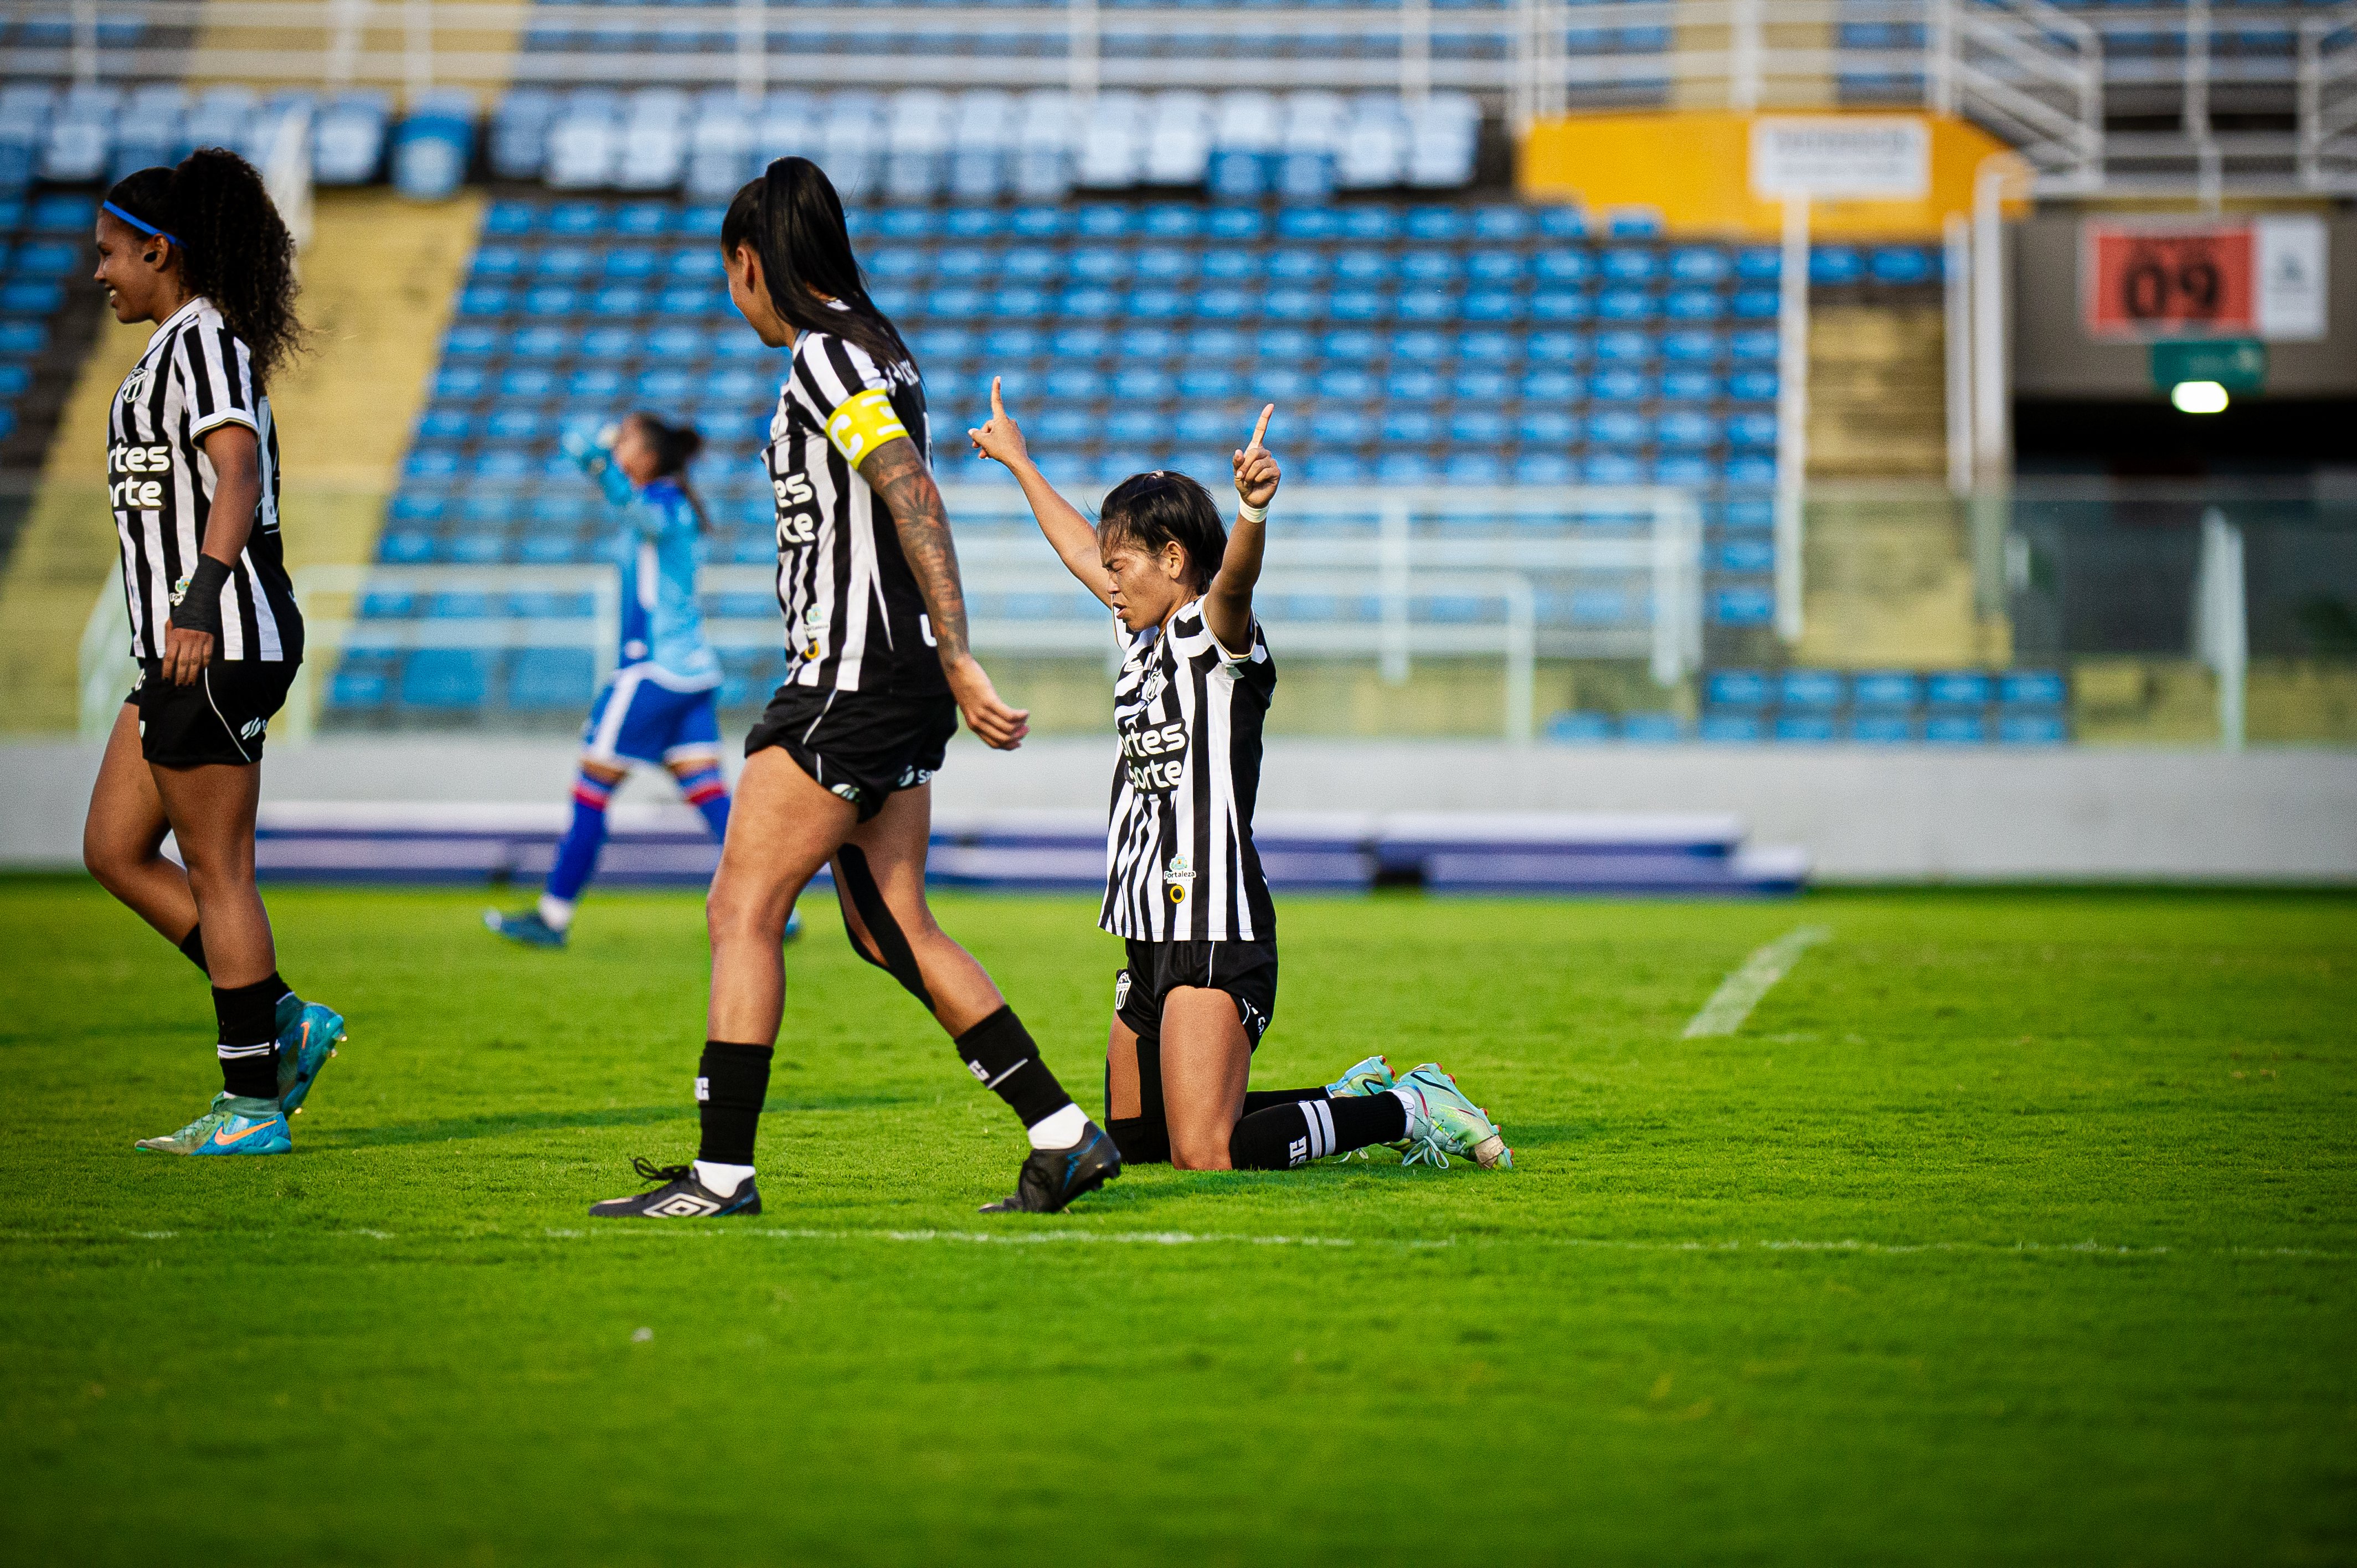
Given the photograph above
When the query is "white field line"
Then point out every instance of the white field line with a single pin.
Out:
(1849, 1245)
(1740, 991)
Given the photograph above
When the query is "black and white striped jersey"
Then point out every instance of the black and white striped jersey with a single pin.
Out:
(195, 376)
(1180, 861)
(855, 618)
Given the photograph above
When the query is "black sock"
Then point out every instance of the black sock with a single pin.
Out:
(998, 1052)
(279, 988)
(1142, 1141)
(1285, 1136)
(249, 1039)
(1257, 1099)
(731, 1083)
(192, 947)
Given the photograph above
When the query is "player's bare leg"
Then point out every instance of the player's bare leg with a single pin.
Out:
(123, 837)
(1206, 1062)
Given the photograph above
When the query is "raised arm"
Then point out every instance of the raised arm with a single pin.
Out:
(1069, 533)
(896, 472)
(1227, 602)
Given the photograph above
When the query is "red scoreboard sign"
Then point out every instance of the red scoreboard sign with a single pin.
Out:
(2180, 281)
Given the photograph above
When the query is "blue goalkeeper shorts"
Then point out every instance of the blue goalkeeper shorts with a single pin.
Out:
(638, 717)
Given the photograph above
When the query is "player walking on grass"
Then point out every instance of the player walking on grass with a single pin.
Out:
(192, 476)
(1183, 883)
(837, 771)
(661, 706)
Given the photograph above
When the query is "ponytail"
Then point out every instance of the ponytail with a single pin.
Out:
(231, 244)
(675, 446)
(793, 219)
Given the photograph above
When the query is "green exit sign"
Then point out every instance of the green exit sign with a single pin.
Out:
(2238, 364)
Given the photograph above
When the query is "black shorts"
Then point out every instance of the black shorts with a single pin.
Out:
(1245, 971)
(223, 718)
(863, 746)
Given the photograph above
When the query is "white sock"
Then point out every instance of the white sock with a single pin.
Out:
(1414, 1107)
(1061, 1131)
(556, 914)
(723, 1179)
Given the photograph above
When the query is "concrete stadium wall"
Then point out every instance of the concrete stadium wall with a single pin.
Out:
(1901, 815)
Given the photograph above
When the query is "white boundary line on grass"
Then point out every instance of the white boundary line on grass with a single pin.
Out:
(1740, 991)
(2086, 1249)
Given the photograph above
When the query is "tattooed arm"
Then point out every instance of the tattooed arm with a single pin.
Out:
(895, 472)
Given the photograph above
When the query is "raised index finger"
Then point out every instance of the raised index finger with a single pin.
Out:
(1262, 428)
(997, 409)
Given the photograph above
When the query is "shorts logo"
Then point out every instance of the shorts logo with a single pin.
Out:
(848, 791)
(913, 776)
(1121, 991)
(251, 728)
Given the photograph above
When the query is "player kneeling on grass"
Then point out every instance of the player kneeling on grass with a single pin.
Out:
(192, 464)
(661, 707)
(1183, 883)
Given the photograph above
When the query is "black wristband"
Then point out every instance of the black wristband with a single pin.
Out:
(197, 607)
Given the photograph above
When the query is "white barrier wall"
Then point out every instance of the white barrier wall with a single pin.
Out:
(1864, 814)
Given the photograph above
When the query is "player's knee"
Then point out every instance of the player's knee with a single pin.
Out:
(1194, 1150)
(735, 913)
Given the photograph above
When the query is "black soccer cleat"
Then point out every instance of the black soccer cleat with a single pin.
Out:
(1051, 1178)
(680, 1196)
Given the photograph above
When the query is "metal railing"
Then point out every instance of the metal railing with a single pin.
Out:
(2328, 101)
(2019, 63)
(1385, 563)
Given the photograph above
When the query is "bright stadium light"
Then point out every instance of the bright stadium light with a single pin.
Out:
(2198, 397)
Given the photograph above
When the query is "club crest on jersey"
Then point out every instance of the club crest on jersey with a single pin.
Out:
(1151, 687)
(135, 383)
(1121, 991)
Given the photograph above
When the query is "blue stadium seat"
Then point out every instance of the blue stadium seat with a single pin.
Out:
(1752, 386)
(1688, 346)
(1619, 384)
(1835, 265)
(1748, 468)
(1551, 386)
(1742, 606)
(1543, 468)
(1625, 347)
(1819, 689)
(1752, 345)
(1562, 222)
(1956, 689)
(1755, 304)
(1570, 266)
(23, 336)
(1405, 469)
(1700, 265)
(1411, 425)
(1562, 305)
(1694, 304)
(1726, 728)
(1579, 727)
(1546, 427)
(358, 683)
(1751, 429)
(1337, 468)
(1557, 348)
(1412, 383)
(2032, 689)
(1903, 264)
(1687, 427)
(1681, 384)
(1956, 729)
(1884, 689)
(1743, 556)
(545, 678)
(445, 677)
(1611, 469)
(1760, 264)
(1804, 728)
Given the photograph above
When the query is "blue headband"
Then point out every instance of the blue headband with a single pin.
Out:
(141, 223)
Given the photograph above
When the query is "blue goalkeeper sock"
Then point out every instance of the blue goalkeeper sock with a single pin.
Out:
(708, 793)
(576, 851)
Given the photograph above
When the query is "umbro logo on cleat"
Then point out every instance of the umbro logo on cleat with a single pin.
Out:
(683, 1206)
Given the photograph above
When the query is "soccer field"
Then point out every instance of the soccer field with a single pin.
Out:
(2008, 1226)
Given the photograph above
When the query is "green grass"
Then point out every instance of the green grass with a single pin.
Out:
(2010, 1227)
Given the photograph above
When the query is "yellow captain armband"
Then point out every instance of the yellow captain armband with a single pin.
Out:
(862, 423)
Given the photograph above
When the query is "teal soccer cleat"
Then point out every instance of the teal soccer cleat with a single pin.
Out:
(1442, 1122)
(308, 1034)
(527, 929)
(231, 1126)
(1372, 1076)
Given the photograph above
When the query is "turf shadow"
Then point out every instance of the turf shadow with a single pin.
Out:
(453, 1129)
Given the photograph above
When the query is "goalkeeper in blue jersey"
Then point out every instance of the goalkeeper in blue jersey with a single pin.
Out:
(661, 707)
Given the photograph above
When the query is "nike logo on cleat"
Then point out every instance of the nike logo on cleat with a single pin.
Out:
(223, 1137)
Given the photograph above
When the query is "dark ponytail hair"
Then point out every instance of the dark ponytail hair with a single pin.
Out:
(793, 219)
(231, 245)
(675, 446)
(1150, 510)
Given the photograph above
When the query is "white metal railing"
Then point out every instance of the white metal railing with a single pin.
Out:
(2328, 101)
(2018, 65)
(1375, 553)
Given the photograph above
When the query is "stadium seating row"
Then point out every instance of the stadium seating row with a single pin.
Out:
(984, 145)
(95, 132)
(1897, 727)
(1868, 706)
